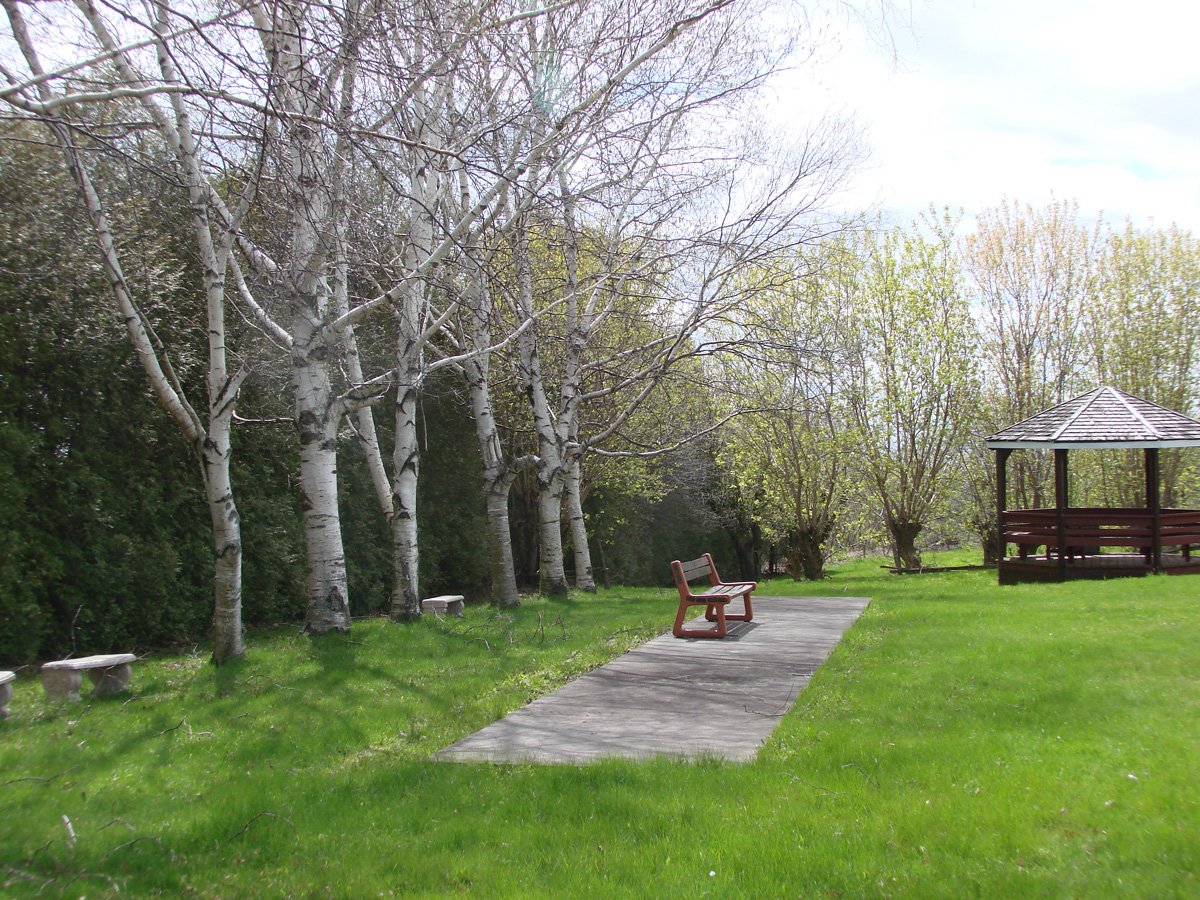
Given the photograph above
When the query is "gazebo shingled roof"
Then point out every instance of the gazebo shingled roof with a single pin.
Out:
(1103, 417)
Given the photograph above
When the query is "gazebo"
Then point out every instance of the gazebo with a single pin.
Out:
(1079, 542)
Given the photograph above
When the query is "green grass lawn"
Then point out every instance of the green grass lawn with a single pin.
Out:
(964, 740)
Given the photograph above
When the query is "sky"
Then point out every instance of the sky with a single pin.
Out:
(1029, 101)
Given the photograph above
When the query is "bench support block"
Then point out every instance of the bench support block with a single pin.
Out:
(109, 681)
(62, 684)
(6, 690)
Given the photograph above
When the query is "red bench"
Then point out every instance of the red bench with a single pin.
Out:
(714, 598)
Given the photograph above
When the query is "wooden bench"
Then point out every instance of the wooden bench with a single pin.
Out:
(713, 599)
(447, 604)
(109, 674)
(6, 689)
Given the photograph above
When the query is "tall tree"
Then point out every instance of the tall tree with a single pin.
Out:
(1031, 271)
(1144, 330)
(794, 447)
(915, 372)
(208, 432)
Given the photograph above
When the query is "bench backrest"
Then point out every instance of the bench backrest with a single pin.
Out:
(693, 569)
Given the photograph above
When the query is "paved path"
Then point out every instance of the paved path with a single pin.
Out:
(673, 696)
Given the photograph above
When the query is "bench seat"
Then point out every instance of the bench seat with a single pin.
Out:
(109, 674)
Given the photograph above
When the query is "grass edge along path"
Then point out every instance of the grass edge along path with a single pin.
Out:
(963, 740)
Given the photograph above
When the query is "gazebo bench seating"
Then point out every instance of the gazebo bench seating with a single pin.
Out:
(109, 674)
(1092, 529)
(714, 598)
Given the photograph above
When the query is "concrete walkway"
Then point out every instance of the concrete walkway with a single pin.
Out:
(683, 697)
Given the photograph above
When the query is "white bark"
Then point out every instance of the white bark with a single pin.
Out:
(579, 327)
(406, 463)
(310, 176)
(497, 476)
(228, 634)
(584, 577)
(317, 416)
(550, 470)
(425, 188)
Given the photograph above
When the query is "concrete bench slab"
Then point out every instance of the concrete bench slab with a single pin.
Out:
(447, 604)
(6, 689)
(109, 674)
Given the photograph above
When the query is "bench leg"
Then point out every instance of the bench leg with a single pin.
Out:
(62, 684)
(713, 612)
(111, 680)
(747, 613)
(5, 696)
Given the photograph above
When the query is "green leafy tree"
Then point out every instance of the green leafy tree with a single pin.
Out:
(1144, 329)
(914, 371)
(793, 450)
(1030, 272)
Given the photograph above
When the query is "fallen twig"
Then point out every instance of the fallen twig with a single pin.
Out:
(46, 846)
(108, 878)
(871, 779)
(112, 822)
(246, 827)
(39, 778)
(145, 837)
(816, 787)
(12, 870)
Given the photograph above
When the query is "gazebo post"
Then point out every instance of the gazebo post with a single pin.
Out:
(1154, 505)
(1002, 455)
(1061, 501)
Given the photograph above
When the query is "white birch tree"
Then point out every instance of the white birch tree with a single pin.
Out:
(51, 98)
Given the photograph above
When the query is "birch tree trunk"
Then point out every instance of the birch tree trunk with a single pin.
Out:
(228, 634)
(425, 185)
(497, 478)
(406, 463)
(552, 577)
(584, 578)
(577, 338)
(317, 419)
(309, 179)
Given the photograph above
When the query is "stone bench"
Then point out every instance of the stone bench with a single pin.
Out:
(6, 688)
(109, 674)
(447, 604)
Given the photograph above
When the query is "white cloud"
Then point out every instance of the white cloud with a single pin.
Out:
(1093, 101)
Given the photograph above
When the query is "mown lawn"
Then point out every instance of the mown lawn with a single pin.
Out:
(964, 740)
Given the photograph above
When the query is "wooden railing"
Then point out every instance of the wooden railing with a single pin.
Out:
(1089, 529)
